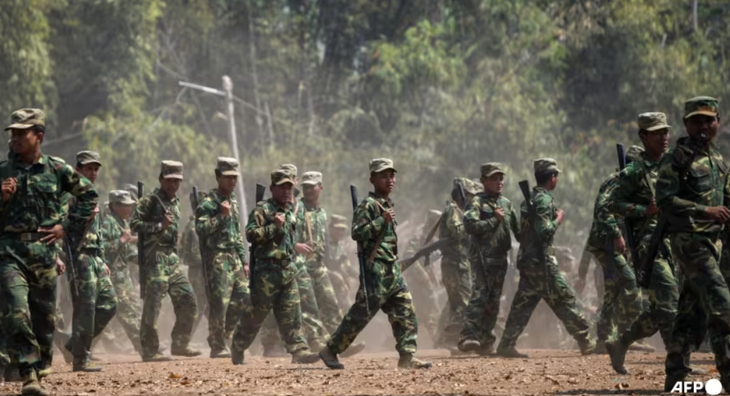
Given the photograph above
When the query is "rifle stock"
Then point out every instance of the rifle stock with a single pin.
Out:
(201, 244)
(360, 251)
(140, 249)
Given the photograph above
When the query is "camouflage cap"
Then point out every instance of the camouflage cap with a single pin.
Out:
(546, 165)
(468, 185)
(312, 178)
(633, 153)
(291, 168)
(227, 166)
(704, 105)
(491, 168)
(121, 197)
(26, 118)
(132, 189)
(281, 176)
(338, 221)
(171, 170)
(88, 157)
(653, 121)
(381, 164)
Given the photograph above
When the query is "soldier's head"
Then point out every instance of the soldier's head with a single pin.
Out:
(382, 175)
(281, 186)
(492, 178)
(293, 172)
(132, 189)
(88, 164)
(121, 203)
(702, 117)
(171, 176)
(546, 173)
(338, 227)
(654, 132)
(27, 129)
(226, 174)
(312, 186)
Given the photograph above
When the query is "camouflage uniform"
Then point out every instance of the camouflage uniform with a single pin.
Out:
(489, 251)
(340, 269)
(421, 277)
(540, 280)
(224, 252)
(27, 266)
(696, 245)
(96, 302)
(162, 269)
(190, 256)
(118, 254)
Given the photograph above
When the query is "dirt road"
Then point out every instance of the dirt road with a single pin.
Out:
(556, 372)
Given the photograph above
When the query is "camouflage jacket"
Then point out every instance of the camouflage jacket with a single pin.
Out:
(39, 198)
(117, 254)
(490, 236)
(538, 232)
(368, 224)
(451, 227)
(339, 262)
(93, 238)
(147, 222)
(271, 242)
(312, 227)
(685, 200)
(605, 224)
(190, 245)
(216, 232)
(633, 193)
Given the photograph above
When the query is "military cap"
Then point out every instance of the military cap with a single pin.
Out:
(281, 176)
(26, 118)
(704, 105)
(491, 168)
(469, 186)
(171, 170)
(132, 189)
(312, 178)
(121, 197)
(633, 153)
(653, 121)
(338, 221)
(380, 164)
(546, 165)
(227, 166)
(88, 157)
(291, 168)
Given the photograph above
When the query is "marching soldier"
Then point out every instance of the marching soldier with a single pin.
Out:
(341, 271)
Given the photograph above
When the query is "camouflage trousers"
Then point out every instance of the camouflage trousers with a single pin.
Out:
(663, 297)
(540, 281)
(424, 298)
(704, 299)
(273, 286)
(457, 279)
(228, 297)
(329, 310)
(341, 288)
(94, 305)
(164, 276)
(481, 314)
(28, 292)
(622, 302)
(197, 281)
(129, 306)
(385, 289)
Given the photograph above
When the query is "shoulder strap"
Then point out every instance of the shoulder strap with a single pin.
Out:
(647, 178)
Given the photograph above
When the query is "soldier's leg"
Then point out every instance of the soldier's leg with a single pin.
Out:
(605, 322)
(287, 310)
(475, 316)
(423, 299)
(106, 298)
(561, 299)
(128, 308)
(457, 280)
(526, 298)
(495, 281)
(312, 326)
(185, 307)
(402, 316)
(197, 280)
(219, 297)
(84, 283)
(156, 289)
(240, 298)
(629, 301)
(270, 339)
(342, 290)
(329, 309)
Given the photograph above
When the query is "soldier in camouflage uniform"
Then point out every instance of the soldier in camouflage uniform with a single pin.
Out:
(224, 255)
(633, 198)
(542, 280)
(488, 219)
(456, 274)
(374, 226)
(271, 229)
(693, 192)
(33, 185)
(341, 271)
(93, 296)
(120, 247)
(190, 256)
(621, 296)
(156, 220)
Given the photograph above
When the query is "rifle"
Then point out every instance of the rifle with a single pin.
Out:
(425, 251)
(201, 245)
(525, 188)
(360, 251)
(628, 227)
(462, 195)
(140, 249)
(260, 191)
(646, 265)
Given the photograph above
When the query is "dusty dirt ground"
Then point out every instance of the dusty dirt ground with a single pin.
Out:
(554, 372)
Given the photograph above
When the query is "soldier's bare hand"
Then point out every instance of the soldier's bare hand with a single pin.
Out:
(107, 271)
(225, 208)
(389, 215)
(126, 237)
(167, 221)
(619, 245)
(55, 233)
(60, 266)
(279, 220)
(718, 213)
(499, 214)
(652, 209)
(9, 188)
(303, 248)
(247, 270)
(561, 216)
